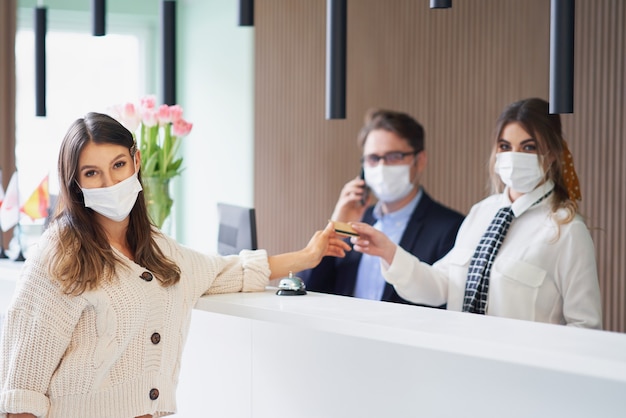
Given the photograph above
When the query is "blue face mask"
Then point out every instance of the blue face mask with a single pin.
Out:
(114, 202)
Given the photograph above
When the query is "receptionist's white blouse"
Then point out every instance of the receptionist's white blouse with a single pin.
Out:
(542, 273)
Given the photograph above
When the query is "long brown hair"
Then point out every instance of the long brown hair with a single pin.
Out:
(533, 115)
(80, 256)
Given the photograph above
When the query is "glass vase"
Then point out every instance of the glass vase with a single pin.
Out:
(158, 200)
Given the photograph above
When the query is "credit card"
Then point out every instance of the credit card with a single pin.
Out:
(343, 228)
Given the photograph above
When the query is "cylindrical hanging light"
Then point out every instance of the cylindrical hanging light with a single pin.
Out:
(246, 12)
(336, 34)
(40, 60)
(440, 4)
(562, 56)
(98, 14)
(168, 28)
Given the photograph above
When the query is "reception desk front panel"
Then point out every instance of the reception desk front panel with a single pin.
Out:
(262, 355)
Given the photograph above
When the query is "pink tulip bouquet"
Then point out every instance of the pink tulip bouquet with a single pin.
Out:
(160, 130)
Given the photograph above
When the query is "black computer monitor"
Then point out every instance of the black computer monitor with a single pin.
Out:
(237, 229)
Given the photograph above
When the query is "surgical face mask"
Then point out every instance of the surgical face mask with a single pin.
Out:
(518, 170)
(390, 183)
(114, 202)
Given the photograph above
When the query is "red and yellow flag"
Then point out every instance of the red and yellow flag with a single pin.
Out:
(36, 206)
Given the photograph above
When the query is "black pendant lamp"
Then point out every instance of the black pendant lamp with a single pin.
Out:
(40, 60)
(246, 12)
(168, 28)
(562, 56)
(98, 14)
(440, 4)
(336, 34)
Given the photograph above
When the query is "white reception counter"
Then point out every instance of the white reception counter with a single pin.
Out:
(262, 355)
(259, 355)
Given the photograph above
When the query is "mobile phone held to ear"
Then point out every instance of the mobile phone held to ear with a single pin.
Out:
(366, 190)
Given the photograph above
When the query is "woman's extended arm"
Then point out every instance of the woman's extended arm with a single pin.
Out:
(322, 243)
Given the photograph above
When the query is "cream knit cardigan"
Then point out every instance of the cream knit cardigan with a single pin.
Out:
(103, 353)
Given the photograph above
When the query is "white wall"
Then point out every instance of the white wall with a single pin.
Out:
(215, 87)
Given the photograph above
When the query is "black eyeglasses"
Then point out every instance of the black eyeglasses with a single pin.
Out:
(391, 158)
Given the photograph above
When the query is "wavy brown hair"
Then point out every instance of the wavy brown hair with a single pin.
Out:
(80, 256)
(534, 116)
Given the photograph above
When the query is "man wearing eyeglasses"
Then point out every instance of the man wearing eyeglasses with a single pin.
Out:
(393, 162)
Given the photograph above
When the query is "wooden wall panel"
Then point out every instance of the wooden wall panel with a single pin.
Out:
(596, 133)
(8, 24)
(453, 70)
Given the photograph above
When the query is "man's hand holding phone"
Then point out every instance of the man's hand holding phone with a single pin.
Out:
(352, 202)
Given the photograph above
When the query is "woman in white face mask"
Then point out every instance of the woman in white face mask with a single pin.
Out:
(524, 252)
(105, 291)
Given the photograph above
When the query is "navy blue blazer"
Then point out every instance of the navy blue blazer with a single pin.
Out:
(429, 235)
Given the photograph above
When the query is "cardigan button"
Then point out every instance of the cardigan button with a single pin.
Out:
(154, 393)
(155, 338)
(147, 276)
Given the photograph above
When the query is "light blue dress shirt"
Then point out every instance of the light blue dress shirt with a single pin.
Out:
(370, 283)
